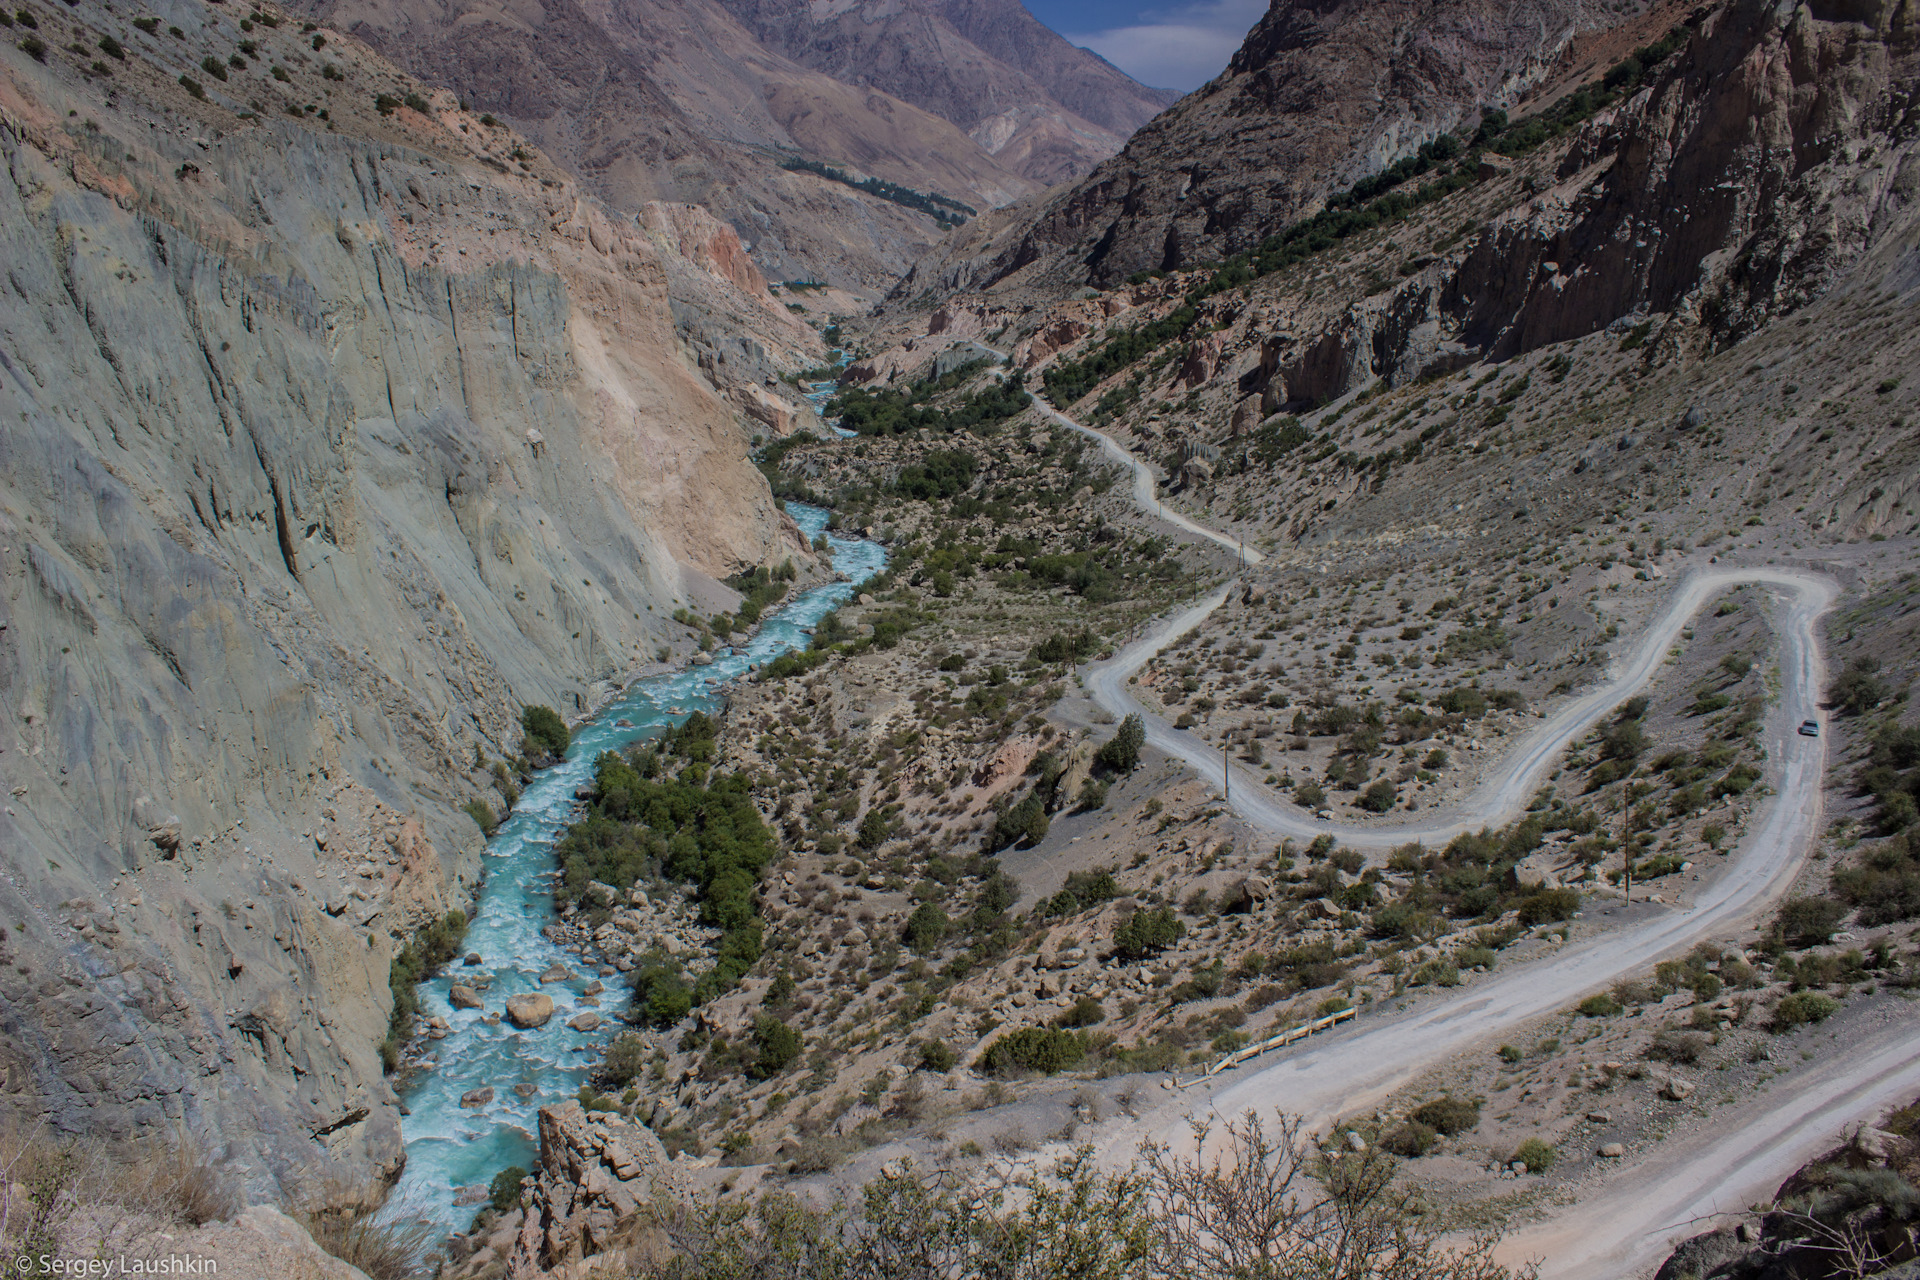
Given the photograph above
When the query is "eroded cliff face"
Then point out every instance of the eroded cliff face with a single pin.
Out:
(1775, 153)
(326, 448)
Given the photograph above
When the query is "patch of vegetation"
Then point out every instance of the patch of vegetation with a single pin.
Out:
(896, 411)
(546, 737)
(1807, 922)
(504, 1191)
(424, 955)
(762, 588)
(1047, 1050)
(1536, 1154)
(1147, 933)
(1449, 1115)
(947, 212)
(1069, 380)
(1885, 886)
(695, 826)
(777, 1045)
(1121, 753)
(1801, 1008)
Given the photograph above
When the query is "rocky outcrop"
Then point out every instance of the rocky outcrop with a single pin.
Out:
(594, 1174)
(329, 445)
(1767, 158)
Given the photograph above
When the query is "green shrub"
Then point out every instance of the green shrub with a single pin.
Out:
(1468, 957)
(1449, 1115)
(482, 815)
(1669, 1045)
(778, 1045)
(546, 733)
(1048, 1050)
(1858, 690)
(926, 928)
(1462, 702)
(1379, 797)
(1807, 922)
(1600, 1006)
(1536, 1154)
(1510, 1054)
(504, 1192)
(188, 83)
(1543, 906)
(1026, 821)
(1086, 1012)
(936, 1056)
(874, 829)
(1885, 887)
(1803, 1007)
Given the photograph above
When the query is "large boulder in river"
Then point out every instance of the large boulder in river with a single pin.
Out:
(586, 1022)
(476, 1097)
(462, 997)
(529, 1011)
(557, 973)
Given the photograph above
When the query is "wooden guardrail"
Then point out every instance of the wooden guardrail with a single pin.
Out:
(1278, 1041)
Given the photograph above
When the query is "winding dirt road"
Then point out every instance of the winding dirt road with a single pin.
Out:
(1351, 1069)
(1724, 1167)
(1146, 487)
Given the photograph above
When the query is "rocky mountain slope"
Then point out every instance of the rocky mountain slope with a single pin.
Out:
(680, 101)
(1319, 96)
(340, 425)
(1044, 108)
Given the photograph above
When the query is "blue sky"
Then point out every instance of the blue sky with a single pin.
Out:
(1175, 46)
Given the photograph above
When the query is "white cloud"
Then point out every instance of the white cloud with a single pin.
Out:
(1179, 48)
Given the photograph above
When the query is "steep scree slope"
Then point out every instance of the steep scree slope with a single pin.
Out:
(329, 442)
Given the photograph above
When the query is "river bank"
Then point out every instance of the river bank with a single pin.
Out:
(475, 1091)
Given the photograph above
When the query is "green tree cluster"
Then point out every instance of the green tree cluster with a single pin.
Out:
(1147, 933)
(642, 821)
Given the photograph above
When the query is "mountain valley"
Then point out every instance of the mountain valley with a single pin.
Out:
(1370, 609)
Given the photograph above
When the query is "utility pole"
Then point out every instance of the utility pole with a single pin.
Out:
(1226, 771)
(1626, 842)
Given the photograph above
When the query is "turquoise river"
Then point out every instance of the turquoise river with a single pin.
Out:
(450, 1146)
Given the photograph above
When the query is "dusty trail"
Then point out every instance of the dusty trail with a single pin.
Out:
(1349, 1070)
(1678, 1187)
(1146, 488)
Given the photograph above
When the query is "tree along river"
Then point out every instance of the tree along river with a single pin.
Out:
(450, 1146)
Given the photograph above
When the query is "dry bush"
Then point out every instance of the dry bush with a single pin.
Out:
(394, 1248)
(73, 1196)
